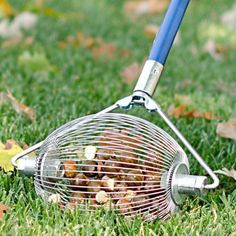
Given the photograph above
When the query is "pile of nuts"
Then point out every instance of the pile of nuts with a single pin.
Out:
(113, 174)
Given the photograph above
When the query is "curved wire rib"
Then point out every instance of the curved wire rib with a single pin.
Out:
(109, 158)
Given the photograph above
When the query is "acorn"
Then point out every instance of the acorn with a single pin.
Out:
(111, 168)
(124, 206)
(108, 183)
(109, 135)
(153, 160)
(140, 202)
(81, 180)
(135, 178)
(99, 169)
(152, 181)
(121, 175)
(77, 198)
(127, 156)
(129, 141)
(90, 168)
(94, 187)
(105, 154)
(70, 168)
(101, 197)
(119, 191)
(130, 194)
(90, 152)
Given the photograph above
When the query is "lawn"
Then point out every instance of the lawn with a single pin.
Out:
(74, 83)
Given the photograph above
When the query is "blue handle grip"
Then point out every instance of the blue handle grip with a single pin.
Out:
(164, 39)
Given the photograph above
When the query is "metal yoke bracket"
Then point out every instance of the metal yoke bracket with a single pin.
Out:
(138, 98)
(142, 99)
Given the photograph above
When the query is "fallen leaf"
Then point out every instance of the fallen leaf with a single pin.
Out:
(106, 50)
(19, 107)
(10, 143)
(226, 172)
(7, 151)
(227, 129)
(98, 46)
(24, 146)
(3, 210)
(87, 42)
(6, 9)
(136, 8)
(131, 73)
(229, 18)
(78, 40)
(176, 111)
(216, 50)
(182, 111)
(124, 53)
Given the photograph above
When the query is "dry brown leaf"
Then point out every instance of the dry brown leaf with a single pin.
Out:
(229, 173)
(88, 42)
(19, 107)
(24, 145)
(227, 129)
(99, 47)
(181, 111)
(124, 53)
(131, 73)
(78, 40)
(3, 210)
(176, 111)
(106, 50)
(144, 7)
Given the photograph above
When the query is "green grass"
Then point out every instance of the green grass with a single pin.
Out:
(58, 97)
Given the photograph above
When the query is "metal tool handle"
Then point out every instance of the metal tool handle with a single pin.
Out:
(153, 67)
(171, 23)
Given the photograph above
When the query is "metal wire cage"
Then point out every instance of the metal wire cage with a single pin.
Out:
(113, 161)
